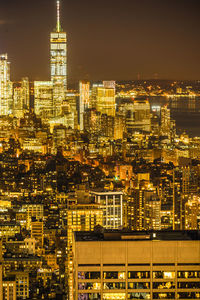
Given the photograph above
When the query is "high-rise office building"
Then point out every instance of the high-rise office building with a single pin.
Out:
(17, 102)
(111, 202)
(119, 127)
(58, 53)
(104, 98)
(5, 86)
(21, 98)
(154, 213)
(143, 209)
(107, 126)
(43, 102)
(25, 93)
(84, 100)
(92, 121)
(165, 121)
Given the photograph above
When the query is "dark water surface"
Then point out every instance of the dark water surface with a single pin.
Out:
(184, 110)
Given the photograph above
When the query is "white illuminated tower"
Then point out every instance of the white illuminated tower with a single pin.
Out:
(5, 86)
(58, 64)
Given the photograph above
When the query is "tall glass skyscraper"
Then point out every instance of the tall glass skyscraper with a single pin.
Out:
(5, 86)
(58, 53)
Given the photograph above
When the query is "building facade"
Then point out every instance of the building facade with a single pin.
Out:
(112, 206)
(136, 265)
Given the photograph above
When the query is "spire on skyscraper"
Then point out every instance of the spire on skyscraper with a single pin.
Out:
(58, 27)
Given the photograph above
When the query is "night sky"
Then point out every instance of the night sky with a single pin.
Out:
(107, 39)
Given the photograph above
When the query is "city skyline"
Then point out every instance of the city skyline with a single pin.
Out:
(99, 184)
(135, 40)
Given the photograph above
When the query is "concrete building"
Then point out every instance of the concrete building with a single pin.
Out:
(136, 265)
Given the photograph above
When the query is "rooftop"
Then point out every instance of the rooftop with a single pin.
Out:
(137, 235)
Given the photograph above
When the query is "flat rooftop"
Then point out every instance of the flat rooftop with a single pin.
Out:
(176, 235)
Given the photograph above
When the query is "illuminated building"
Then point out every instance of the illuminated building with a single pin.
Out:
(136, 265)
(111, 203)
(17, 262)
(9, 289)
(58, 53)
(136, 114)
(9, 229)
(107, 126)
(154, 213)
(119, 127)
(105, 99)
(33, 145)
(143, 209)
(21, 98)
(25, 93)
(80, 217)
(166, 218)
(5, 86)
(192, 213)
(22, 284)
(1, 274)
(59, 134)
(165, 122)
(29, 245)
(37, 231)
(71, 98)
(17, 102)
(83, 217)
(43, 99)
(94, 91)
(123, 171)
(92, 121)
(66, 120)
(84, 100)
(32, 210)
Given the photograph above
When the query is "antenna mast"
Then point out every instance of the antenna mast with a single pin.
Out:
(58, 16)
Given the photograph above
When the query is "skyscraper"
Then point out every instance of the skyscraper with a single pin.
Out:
(21, 98)
(84, 100)
(58, 53)
(105, 98)
(43, 104)
(165, 121)
(5, 86)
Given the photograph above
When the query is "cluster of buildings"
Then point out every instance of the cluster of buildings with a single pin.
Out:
(99, 195)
